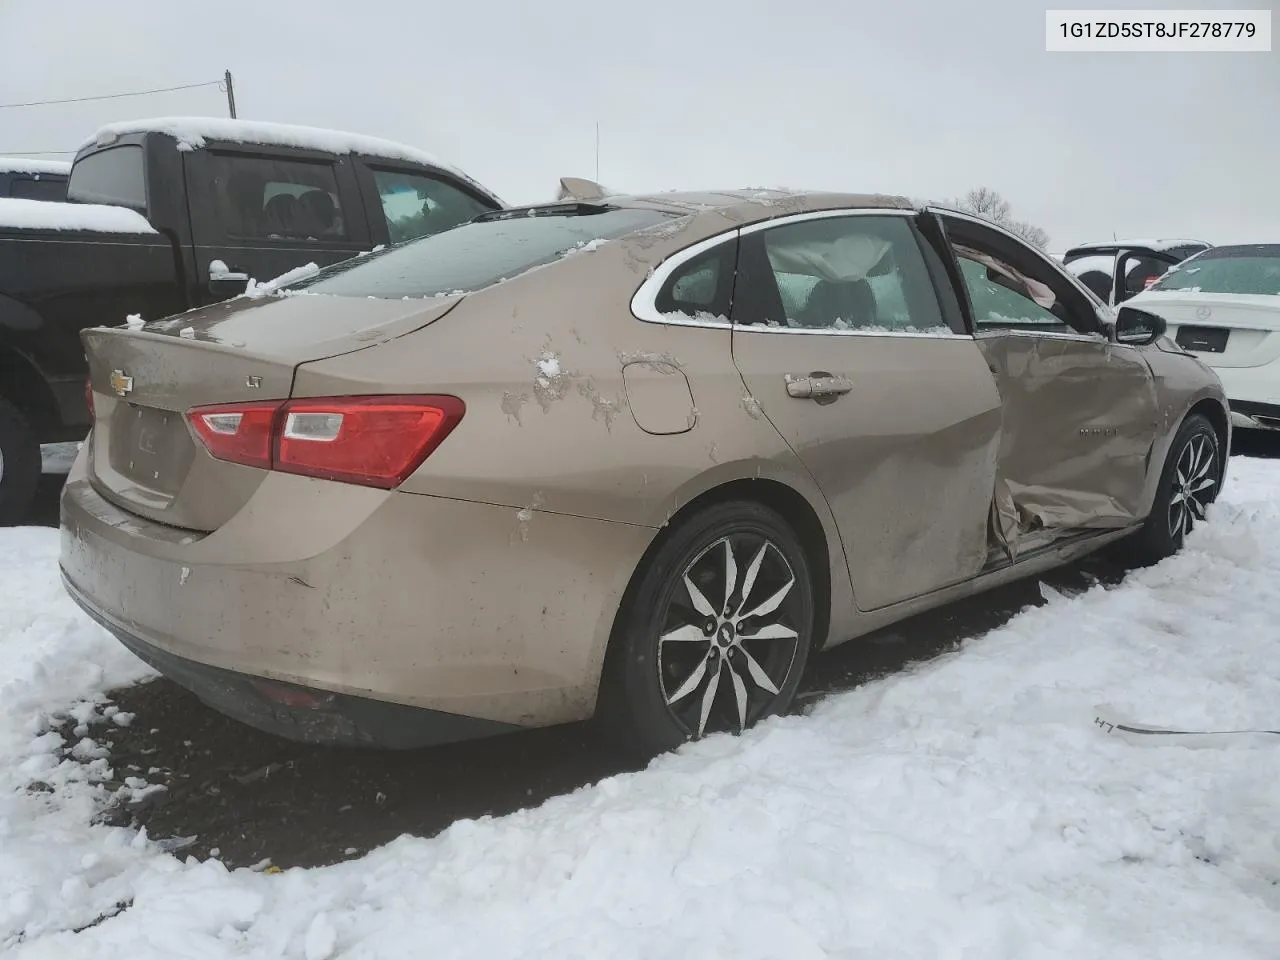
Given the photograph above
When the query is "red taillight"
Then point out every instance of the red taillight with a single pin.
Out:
(239, 432)
(373, 441)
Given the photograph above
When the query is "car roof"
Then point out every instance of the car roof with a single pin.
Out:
(751, 204)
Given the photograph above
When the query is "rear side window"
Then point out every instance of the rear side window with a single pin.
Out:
(32, 188)
(480, 253)
(416, 206)
(266, 198)
(701, 288)
(114, 176)
(1251, 269)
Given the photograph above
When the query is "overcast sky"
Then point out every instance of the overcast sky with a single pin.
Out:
(902, 96)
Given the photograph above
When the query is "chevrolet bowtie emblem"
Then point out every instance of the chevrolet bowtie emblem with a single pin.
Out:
(120, 383)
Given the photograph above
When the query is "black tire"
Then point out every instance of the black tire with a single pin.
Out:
(19, 465)
(1194, 446)
(641, 697)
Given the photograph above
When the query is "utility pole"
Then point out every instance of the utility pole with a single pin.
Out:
(231, 94)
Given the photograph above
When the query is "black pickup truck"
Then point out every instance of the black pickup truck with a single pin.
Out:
(33, 179)
(166, 215)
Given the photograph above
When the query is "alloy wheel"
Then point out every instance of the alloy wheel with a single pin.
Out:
(729, 637)
(1195, 484)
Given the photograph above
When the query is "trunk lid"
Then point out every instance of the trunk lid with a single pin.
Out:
(144, 456)
(1222, 330)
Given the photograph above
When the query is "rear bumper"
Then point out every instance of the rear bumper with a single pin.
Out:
(299, 713)
(467, 610)
(1252, 392)
(1248, 414)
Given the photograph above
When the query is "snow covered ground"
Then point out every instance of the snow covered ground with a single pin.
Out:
(967, 808)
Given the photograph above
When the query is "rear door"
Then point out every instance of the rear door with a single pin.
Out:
(840, 335)
(258, 213)
(1080, 412)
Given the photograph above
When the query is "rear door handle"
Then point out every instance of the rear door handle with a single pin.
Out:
(818, 387)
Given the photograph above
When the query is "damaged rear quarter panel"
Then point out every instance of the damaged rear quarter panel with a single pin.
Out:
(539, 361)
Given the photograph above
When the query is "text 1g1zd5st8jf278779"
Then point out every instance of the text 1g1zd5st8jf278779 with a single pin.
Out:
(1169, 31)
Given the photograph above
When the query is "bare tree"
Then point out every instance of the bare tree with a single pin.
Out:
(988, 204)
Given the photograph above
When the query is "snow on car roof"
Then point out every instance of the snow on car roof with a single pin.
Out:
(23, 165)
(46, 215)
(192, 133)
(1147, 243)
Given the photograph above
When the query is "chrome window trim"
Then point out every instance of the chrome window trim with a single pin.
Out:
(833, 332)
(826, 215)
(643, 301)
(1095, 338)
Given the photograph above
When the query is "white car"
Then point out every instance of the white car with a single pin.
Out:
(1223, 305)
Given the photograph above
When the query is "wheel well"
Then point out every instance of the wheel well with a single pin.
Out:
(1217, 418)
(787, 503)
(23, 386)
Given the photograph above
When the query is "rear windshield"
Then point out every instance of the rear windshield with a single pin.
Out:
(479, 253)
(1246, 269)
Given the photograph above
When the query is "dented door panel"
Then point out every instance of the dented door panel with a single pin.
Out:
(1079, 421)
(906, 458)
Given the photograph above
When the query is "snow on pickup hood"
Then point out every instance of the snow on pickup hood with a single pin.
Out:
(45, 215)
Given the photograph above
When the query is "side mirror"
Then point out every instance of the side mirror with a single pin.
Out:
(1137, 327)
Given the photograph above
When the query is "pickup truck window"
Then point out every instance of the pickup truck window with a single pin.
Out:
(416, 206)
(114, 176)
(33, 188)
(265, 198)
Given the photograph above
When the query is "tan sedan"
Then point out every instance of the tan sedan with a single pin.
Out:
(640, 455)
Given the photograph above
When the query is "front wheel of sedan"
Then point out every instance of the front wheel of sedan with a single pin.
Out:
(716, 634)
(1190, 481)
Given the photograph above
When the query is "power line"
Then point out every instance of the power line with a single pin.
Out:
(112, 96)
(37, 153)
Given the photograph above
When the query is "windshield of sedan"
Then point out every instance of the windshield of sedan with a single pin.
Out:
(492, 247)
(1246, 269)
